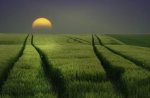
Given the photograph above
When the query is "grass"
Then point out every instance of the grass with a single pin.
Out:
(79, 66)
(136, 54)
(134, 39)
(12, 39)
(140, 55)
(72, 66)
(27, 78)
(7, 57)
(108, 40)
(131, 75)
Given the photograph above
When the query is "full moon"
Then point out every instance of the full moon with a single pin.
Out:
(41, 23)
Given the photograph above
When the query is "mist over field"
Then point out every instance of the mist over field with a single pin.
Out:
(76, 16)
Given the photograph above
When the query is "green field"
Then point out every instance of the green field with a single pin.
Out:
(134, 39)
(74, 66)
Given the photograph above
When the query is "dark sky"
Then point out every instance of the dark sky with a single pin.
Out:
(77, 16)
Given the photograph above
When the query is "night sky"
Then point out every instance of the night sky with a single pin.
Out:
(77, 16)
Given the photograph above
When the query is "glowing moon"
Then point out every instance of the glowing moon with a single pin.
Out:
(41, 23)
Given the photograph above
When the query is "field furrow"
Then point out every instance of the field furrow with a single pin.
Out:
(133, 77)
(53, 75)
(27, 78)
(113, 74)
(7, 62)
(108, 40)
(72, 66)
(137, 60)
(83, 73)
(138, 55)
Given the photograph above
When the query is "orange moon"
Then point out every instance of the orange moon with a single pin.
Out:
(41, 23)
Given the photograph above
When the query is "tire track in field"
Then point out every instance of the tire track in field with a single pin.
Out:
(11, 65)
(125, 57)
(114, 75)
(79, 40)
(53, 75)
